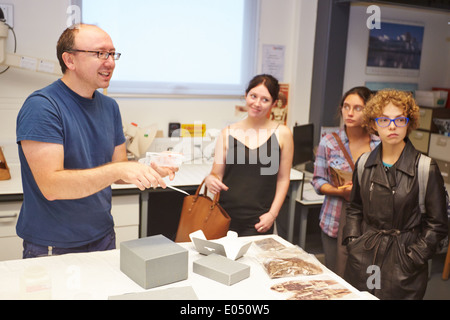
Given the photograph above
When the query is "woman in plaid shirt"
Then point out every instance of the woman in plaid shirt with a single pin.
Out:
(356, 140)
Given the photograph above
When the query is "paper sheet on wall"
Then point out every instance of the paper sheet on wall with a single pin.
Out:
(273, 60)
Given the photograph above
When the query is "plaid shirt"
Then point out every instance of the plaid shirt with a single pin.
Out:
(329, 154)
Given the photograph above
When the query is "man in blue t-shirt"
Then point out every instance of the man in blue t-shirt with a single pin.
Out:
(72, 148)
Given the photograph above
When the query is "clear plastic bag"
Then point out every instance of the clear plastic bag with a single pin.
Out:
(163, 159)
(289, 262)
(269, 244)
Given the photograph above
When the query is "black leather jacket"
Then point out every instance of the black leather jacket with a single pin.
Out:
(392, 235)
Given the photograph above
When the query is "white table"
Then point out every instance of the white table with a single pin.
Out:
(97, 276)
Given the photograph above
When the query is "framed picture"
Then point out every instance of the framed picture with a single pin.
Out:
(395, 49)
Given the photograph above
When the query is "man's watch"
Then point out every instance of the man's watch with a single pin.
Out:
(350, 239)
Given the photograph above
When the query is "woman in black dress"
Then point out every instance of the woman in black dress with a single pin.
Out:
(252, 163)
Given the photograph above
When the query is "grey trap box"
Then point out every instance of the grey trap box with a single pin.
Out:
(221, 269)
(153, 261)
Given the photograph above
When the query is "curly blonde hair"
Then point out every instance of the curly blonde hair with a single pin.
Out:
(401, 99)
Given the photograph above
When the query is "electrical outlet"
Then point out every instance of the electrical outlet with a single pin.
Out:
(8, 13)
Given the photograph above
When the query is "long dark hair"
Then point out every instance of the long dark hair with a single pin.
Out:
(363, 92)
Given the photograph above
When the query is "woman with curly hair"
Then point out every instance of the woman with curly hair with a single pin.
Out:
(389, 241)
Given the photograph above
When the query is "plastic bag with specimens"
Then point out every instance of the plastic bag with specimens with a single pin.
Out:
(289, 262)
(268, 244)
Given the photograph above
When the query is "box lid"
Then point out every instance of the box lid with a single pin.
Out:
(229, 246)
(222, 264)
(153, 247)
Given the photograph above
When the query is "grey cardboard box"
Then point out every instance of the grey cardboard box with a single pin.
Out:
(221, 269)
(153, 261)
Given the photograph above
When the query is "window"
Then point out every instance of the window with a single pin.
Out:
(201, 47)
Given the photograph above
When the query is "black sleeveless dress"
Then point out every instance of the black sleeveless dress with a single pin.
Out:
(251, 175)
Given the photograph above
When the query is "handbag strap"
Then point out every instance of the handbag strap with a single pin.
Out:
(344, 150)
(197, 193)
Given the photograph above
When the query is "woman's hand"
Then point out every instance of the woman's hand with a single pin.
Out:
(214, 184)
(265, 222)
(346, 190)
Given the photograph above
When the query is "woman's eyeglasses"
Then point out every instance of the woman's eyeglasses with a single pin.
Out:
(386, 122)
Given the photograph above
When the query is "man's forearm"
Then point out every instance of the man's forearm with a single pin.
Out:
(75, 184)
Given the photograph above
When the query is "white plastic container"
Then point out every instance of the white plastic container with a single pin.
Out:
(35, 284)
(163, 159)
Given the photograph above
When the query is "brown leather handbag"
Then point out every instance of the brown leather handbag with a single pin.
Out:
(4, 170)
(200, 212)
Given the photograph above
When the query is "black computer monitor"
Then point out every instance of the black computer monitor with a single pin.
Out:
(303, 145)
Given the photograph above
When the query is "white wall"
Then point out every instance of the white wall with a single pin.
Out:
(291, 23)
(38, 25)
(435, 61)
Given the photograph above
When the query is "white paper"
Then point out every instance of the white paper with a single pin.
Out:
(273, 60)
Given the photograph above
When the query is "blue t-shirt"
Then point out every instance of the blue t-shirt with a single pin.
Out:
(89, 130)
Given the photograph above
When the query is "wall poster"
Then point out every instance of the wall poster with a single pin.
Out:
(280, 111)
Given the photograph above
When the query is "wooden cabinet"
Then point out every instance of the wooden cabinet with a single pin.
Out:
(420, 138)
(125, 211)
(428, 114)
(10, 244)
(439, 147)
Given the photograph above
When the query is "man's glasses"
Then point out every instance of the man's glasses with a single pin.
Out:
(103, 55)
(386, 122)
